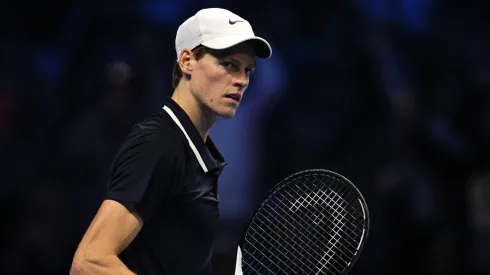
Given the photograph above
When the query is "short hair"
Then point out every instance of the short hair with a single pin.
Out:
(177, 74)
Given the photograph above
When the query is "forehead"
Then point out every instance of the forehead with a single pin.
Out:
(245, 48)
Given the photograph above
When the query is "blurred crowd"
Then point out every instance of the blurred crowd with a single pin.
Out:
(395, 95)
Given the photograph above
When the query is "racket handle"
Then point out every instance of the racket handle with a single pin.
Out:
(238, 265)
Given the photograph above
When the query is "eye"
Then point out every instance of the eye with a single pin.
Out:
(228, 65)
(249, 71)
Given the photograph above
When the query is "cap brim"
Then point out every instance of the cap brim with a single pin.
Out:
(261, 46)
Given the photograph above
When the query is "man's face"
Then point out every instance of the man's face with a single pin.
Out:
(220, 79)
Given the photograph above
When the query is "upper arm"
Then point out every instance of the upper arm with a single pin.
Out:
(142, 174)
(139, 179)
(113, 228)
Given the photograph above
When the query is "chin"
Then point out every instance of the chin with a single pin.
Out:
(226, 113)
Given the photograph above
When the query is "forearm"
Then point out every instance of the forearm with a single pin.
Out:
(108, 265)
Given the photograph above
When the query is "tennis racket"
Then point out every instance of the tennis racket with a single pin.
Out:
(313, 222)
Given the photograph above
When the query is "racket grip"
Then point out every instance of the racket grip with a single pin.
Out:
(238, 265)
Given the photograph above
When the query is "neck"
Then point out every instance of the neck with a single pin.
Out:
(201, 117)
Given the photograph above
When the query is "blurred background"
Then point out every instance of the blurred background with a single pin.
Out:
(393, 94)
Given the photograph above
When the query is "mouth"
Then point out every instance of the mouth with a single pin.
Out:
(235, 96)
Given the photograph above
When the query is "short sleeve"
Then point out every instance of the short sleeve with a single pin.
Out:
(140, 176)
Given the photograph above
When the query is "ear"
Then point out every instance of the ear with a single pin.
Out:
(185, 61)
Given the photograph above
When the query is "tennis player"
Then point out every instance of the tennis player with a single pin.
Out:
(160, 213)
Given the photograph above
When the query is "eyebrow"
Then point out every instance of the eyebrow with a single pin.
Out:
(252, 66)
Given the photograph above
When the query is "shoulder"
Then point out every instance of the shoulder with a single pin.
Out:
(150, 140)
(157, 132)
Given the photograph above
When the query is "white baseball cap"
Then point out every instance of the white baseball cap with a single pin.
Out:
(218, 29)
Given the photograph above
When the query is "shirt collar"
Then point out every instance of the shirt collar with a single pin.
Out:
(207, 154)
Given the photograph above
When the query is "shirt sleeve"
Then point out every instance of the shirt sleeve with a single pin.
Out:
(140, 177)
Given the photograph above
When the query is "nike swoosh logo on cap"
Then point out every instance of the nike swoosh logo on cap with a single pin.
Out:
(233, 22)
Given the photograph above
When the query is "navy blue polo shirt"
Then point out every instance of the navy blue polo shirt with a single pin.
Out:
(168, 175)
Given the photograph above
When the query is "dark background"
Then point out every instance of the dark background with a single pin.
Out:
(392, 94)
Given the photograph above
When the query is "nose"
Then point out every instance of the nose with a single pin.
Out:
(241, 81)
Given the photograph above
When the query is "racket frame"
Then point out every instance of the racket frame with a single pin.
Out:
(331, 173)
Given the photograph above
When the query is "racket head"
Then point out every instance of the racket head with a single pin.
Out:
(315, 221)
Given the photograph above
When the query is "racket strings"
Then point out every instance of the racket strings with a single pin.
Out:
(311, 221)
(314, 230)
(295, 234)
(337, 204)
(346, 192)
(281, 239)
(259, 257)
(343, 197)
(325, 198)
(332, 242)
(292, 243)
